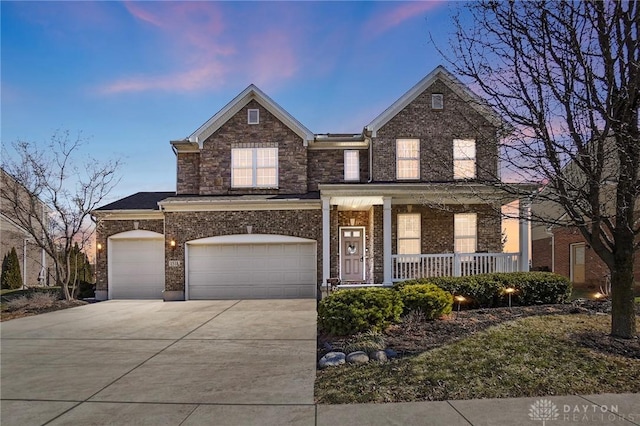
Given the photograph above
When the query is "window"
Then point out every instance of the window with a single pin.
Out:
(408, 159)
(464, 159)
(351, 166)
(409, 234)
(437, 101)
(465, 232)
(254, 168)
(253, 116)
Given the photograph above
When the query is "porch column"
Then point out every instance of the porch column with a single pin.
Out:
(326, 241)
(525, 218)
(386, 241)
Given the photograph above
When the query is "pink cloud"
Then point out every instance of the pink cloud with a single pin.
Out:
(193, 35)
(273, 57)
(388, 19)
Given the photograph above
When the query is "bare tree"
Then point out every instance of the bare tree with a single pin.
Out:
(50, 191)
(565, 75)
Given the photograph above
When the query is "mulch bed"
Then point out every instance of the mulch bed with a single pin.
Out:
(57, 305)
(414, 336)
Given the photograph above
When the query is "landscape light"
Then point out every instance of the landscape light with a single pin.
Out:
(509, 291)
(459, 299)
(598, 296)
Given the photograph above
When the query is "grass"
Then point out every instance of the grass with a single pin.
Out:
(534, 356)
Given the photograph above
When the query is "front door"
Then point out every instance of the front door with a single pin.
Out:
(352, 254)
(577, 263)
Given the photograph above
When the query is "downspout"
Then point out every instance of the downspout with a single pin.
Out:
(370, 159)
(548, 231)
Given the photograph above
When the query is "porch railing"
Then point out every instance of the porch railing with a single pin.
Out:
(412, 266)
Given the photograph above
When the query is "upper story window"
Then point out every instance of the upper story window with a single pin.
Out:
(254, 168)
(253, 116)
(465, 231)
(351, 165)
(437, 101)
(407, 159)
(464, 159)
(409, 233)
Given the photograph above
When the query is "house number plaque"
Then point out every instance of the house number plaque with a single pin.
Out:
(174, 263)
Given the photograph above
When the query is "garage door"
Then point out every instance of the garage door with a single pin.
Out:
(252, 270)
(136, 268)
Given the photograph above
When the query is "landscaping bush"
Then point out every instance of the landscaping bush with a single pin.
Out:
(535, 288)
(487, 290)
(35, 301)
(11, 278)
(358, 310)
(429, 299)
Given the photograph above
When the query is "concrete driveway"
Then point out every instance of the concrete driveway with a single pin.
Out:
(150, 362)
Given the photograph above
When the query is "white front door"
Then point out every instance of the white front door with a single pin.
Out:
(352, 259)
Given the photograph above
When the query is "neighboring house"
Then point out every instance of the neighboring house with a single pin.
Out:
(33, 260)
(558, 246)
(265, 208)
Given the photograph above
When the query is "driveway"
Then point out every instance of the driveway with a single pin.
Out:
(150, 362)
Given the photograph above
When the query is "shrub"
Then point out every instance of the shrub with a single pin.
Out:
(17, 303)
(11, 277)
(430, 299)
(85, 290)
(487, 290)
(352, 311)
(535, 288)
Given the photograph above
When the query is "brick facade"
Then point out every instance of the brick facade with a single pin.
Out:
(436, 130)
(215, 156)
(595, 268)
(327, 166)
(188, 226)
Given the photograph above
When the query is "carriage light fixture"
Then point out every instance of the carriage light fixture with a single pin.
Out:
(172, 244)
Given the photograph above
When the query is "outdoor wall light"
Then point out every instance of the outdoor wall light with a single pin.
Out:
(172, 244)
(99, 247)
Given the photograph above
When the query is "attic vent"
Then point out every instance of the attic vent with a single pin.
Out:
(437, 101)
(253, 116)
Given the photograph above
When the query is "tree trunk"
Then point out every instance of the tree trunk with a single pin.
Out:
(623, 321)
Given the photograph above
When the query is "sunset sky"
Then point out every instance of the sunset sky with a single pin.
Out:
(131, 76)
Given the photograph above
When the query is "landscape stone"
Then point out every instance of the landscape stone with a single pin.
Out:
(391, 353)
(379, 356)
(358, 357)
(331, 359)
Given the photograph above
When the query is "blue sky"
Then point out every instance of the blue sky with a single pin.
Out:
(131, 76)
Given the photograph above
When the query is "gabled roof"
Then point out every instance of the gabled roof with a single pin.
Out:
(138, 201)
(250, 93)
(442, 74)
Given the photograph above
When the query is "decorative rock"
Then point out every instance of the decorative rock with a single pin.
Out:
(391, 353)
(357, 357)
(379, 356)
(331, 359)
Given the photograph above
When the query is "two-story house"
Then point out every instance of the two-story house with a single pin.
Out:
(33, 260)
(265, 208)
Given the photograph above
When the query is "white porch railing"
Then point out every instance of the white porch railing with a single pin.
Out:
(411, 266)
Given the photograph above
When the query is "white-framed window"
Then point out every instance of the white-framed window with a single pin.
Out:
(464, 159)
(409, 231)
(253, 116)
(407, 159)
(254, 168)
(437, 101)
(465, 229)
(351, 165)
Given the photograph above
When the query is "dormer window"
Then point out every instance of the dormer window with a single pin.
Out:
(253, 116)
(437, 101)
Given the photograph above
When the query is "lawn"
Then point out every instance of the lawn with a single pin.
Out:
(533, 356)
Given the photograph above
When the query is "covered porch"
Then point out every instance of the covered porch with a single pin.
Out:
(382, 215)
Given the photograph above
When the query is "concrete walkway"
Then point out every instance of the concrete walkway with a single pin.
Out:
(215, 363)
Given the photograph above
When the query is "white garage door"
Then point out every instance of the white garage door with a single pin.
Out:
(136, 268)
(252, 271)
